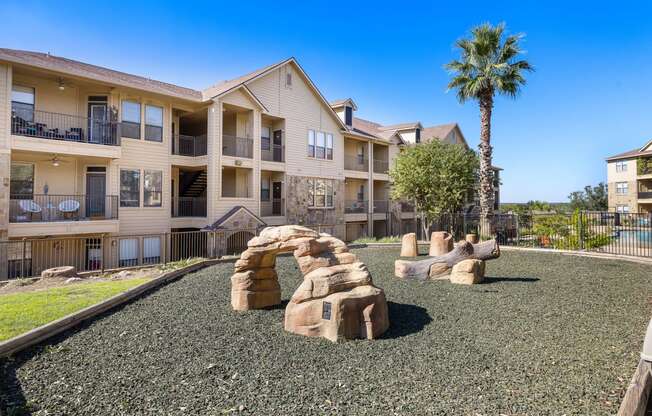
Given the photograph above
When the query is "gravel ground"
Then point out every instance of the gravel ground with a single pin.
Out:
(547, 334)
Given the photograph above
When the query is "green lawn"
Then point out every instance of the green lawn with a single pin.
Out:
(20, 312)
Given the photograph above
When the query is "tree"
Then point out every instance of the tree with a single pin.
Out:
(489, 65)
(437, 176)
(592, 198)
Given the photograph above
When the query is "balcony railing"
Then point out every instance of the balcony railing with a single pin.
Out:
(52, 208)
(407, 207)
(183, 145)
(381, 166)
(55, 126)
(237, 146)
(185, 206)
(359, 163)
(274, 154)
(272, 208)
(381, 206)
(356, 207)
(645, 195)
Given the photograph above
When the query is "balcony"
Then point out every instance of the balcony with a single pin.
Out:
(272, 208)
(64, 127)
(645, 195)
(238, 146)
(186, 206)
(359, 163)
(381, 166)
(381, 206)
(58, 208)
(192, 146)
(356, 207)
(273, 154)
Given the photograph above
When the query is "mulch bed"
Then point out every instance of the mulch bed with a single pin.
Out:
(547, 334)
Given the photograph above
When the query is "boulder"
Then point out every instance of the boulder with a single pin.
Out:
(60, 272)
(409, 245)
(468, 272)
(441, 242)
(471, 238)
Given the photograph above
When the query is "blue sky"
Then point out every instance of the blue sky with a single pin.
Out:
(590, 97)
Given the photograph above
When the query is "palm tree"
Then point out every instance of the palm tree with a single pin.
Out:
(490, 63)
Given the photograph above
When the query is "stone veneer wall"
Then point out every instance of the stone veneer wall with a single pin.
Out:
(298, 212)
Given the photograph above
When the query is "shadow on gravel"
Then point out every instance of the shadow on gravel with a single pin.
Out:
(12, 398)
(490, 280)
(405, 319)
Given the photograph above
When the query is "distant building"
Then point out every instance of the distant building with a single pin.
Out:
(629, 180)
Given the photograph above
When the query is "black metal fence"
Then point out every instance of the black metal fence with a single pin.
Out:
(606, 232)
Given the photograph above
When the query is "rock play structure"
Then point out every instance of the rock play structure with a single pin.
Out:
(462, 264)
(336, 300)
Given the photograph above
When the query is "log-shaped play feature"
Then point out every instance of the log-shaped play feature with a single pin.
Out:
(437, 266)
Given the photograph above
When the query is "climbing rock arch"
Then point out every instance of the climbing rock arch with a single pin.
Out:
(337, 298)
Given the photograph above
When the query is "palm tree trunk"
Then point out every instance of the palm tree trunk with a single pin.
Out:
(486, 173)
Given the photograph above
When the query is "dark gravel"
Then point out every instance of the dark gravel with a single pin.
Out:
(548, 334)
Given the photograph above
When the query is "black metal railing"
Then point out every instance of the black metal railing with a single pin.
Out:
(184, 145)
(184, 206)
(55, 126)
(237, 146)
(272, 208)
(276, 153)
(359, 163)
(52, 208)
(407, 207)
(356, 207)
(645, 194)
(381, 206)
(381, 166)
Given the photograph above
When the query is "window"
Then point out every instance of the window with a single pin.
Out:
(311, 143)
(153, 188)
(153, 123)
(348, 116)
(453, 137)
(264, 189)
(320, 148)
(621, 166)
(22, 181)
(288, 79)
(623, 209)
(329, 146)
(22, 103)
(320, 193)
(361, 154)
(265, 141)
(128, 252)
(129, 188)
(151, 250)
(417, 135)
(360, 195)
(320, 145)
(622, 188)
(131, 119)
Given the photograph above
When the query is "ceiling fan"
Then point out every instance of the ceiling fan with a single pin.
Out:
(55, 160)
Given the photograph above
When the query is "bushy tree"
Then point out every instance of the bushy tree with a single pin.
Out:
(437, 176)
(490, 63)
(592, 198)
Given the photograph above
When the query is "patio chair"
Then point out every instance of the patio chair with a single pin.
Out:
(30, 207)
(68, 208)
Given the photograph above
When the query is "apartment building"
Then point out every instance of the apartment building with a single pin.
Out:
(629, 180)
(87, 150)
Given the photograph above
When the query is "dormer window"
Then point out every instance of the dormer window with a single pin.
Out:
(417, 136)
(288, 79)
(348, 116)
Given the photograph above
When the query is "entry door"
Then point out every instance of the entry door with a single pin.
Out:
(277, 149)
(277, 198)
(95, 194)
(97, 129)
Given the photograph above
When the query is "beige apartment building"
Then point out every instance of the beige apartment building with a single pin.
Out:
(629, 180)
(87, 151)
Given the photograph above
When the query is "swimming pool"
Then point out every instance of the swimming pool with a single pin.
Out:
(641, 236)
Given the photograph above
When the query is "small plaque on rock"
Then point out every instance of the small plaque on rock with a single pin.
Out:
(326, 311)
